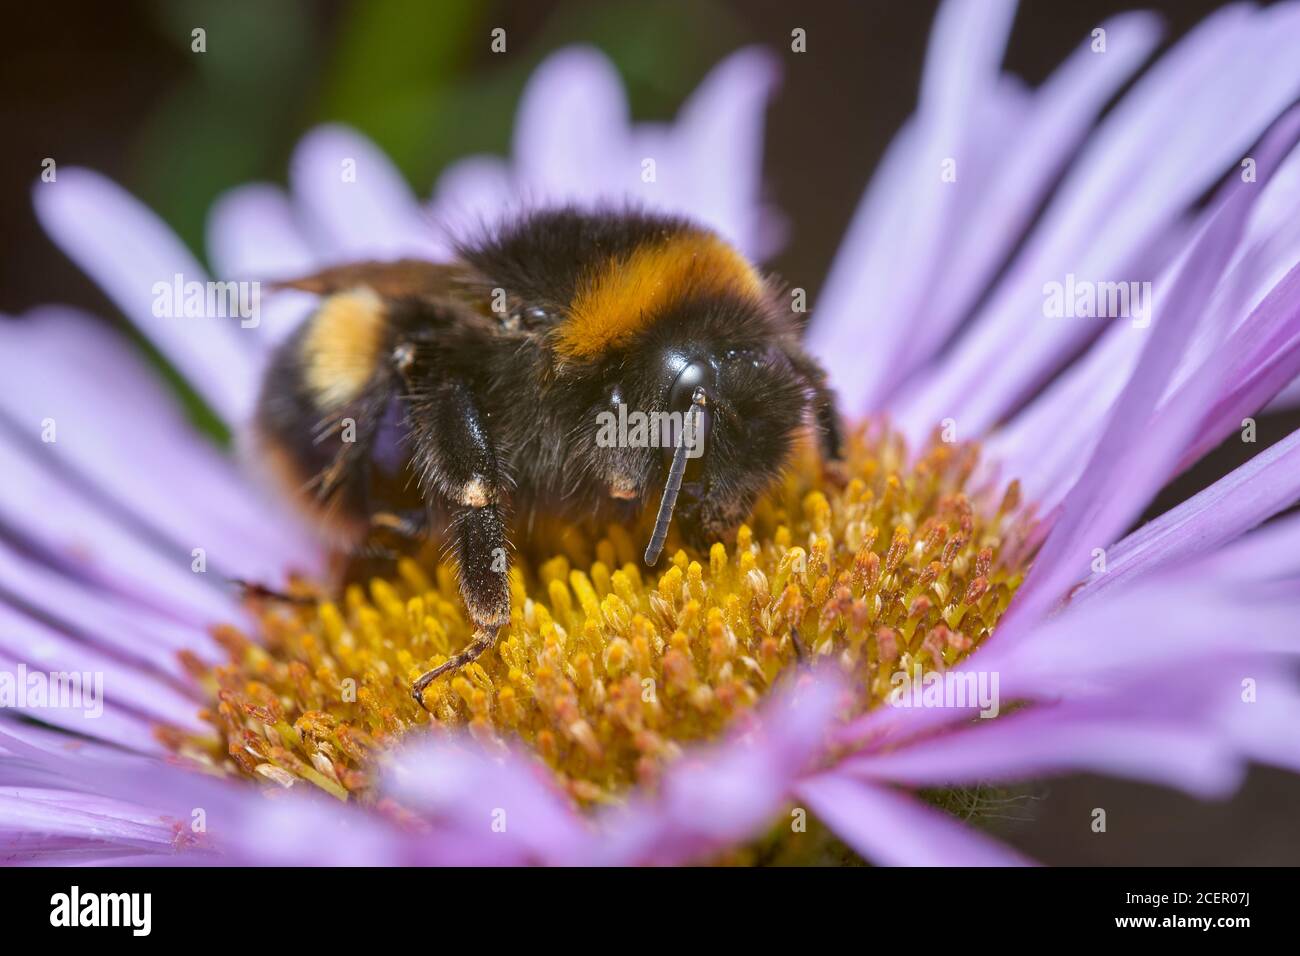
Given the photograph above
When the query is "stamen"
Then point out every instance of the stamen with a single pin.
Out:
(607, 675)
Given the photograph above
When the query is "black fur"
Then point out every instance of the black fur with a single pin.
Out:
(541, 256)
(484, 402)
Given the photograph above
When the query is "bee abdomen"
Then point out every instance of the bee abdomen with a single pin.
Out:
(342, 346)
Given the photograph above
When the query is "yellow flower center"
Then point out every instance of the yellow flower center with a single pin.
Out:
(607, 670)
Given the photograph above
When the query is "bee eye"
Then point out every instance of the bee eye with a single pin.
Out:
(695, 375)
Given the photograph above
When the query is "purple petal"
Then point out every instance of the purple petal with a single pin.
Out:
(1127, 467)
(52, 825)
(718, 152)
(241, 823)
(1147, 162)
(126, 686)
(1180, 617)
(116, 427)
(966, 47)
(894, 829)
(571, 130)
(1202, 524)
(1185, 616)
(717, 797)
(1271, 553)
(123, 625)
(488, 810)
(76, 727)
(471, 194)
(1024, 167)
(1289, 397)
(1259, 300)
(352, 202)
(1187, 724)
(125, 248)
(1262, 357)
(708, 800)
(253, 234)
(1025, 747)
(1263, 726)
(907, 221)
(574, 143)
(52, 515)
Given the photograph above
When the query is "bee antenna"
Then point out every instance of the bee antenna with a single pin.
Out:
(674, 484)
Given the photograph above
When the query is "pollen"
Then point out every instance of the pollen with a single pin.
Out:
(608, 670)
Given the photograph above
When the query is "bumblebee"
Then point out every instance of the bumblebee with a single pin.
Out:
(460, 398)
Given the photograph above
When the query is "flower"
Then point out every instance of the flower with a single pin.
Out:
(1000, 458)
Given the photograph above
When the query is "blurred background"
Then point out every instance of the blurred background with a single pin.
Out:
(115, 86)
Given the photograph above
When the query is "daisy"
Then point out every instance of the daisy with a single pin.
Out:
(969, 608)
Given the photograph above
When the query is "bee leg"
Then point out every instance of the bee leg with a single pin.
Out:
(388, 537)
(457, 464)
(412, 525)
(800, 651)
(830, 432)
(484, 639)
(479, 543)
(254, 591)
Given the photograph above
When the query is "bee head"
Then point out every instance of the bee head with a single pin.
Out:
(734, 400)
(678, 326)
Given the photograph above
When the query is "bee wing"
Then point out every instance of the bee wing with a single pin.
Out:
(402, 278)
(455, 283)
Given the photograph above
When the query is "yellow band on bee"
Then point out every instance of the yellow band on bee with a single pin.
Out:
(627, 295)
(342, 346)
